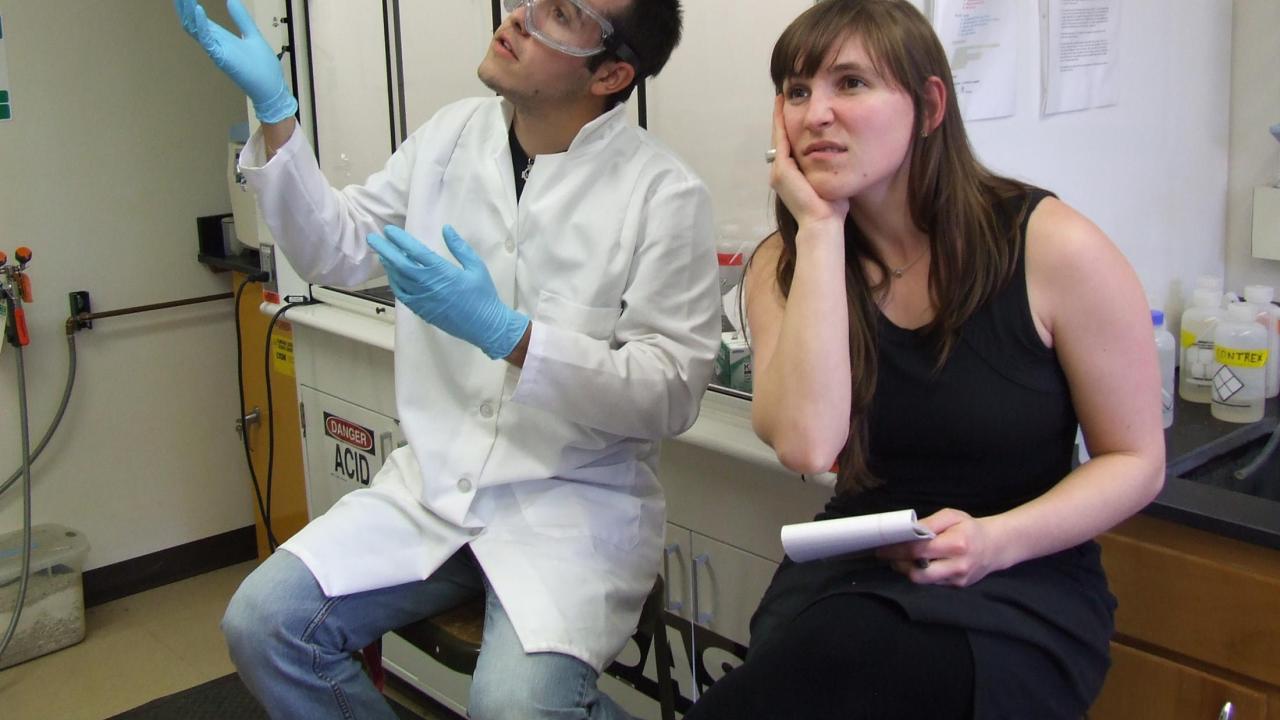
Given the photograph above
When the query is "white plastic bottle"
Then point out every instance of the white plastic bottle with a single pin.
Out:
(1269, 318)
(1214, 283)
(1195, 382)
(1167, 350)
(1239, 368)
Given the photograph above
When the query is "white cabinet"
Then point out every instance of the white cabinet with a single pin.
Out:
(713, 583)
(721, 481)
(353, 101)
(346, 445)
(345, 390)
(441, 46)
(727, 585)
(727, 498)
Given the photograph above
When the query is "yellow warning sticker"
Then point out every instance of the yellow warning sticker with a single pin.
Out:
(282, 351)
(1188, 339)
(1240, 358)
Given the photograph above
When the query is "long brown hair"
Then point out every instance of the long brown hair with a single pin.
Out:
(951, 196)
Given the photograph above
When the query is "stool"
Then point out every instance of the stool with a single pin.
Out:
(453, 639)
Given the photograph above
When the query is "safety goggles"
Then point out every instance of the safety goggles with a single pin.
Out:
(572, 27)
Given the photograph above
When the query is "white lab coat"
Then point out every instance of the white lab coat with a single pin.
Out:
(550, 471)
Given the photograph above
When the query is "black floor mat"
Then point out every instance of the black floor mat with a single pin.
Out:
(225, 698)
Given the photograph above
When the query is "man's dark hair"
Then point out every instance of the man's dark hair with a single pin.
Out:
(651, 28)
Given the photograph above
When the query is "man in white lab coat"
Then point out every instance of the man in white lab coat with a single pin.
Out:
(557, 316)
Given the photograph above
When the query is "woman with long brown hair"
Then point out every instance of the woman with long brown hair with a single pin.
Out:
(937, 332)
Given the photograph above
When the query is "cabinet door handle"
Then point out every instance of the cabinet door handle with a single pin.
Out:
(254, 417)
(1227, 712)
(674, 606)
(699, 616)
(384, 445)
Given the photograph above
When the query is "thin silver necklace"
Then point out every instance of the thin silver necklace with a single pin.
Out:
(896, 272)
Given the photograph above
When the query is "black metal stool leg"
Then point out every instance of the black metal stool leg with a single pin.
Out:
(663, 661)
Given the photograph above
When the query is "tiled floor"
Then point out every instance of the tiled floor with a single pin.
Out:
(136, 649)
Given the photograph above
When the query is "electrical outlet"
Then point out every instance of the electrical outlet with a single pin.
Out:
(79, 301)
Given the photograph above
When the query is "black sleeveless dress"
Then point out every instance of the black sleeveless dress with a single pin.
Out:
(993, 429)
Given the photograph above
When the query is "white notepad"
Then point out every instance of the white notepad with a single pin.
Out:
(825, 538)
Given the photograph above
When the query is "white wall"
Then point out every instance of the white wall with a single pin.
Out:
(118, 142)
(1255, 155)
(1151, 171)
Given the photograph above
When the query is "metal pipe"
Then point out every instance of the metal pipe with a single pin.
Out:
(74, 320)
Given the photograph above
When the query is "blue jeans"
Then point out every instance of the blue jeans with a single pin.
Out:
(293, 647)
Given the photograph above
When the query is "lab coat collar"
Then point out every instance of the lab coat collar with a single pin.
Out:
(592, 135)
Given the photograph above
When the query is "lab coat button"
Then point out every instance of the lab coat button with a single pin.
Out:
(486, 410)
(510, 245)
(464, 485)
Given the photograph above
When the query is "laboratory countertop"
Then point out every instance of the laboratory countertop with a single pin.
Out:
(1196, 438)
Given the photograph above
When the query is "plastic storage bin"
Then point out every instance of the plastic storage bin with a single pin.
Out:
(53, 609)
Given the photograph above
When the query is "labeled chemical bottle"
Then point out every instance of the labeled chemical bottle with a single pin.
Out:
(1239, 368)
(1195, 382)
(733, 362)
(1167, 351)
(1269, 318)
(732, 253)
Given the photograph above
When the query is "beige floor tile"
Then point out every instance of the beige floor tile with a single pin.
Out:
(105, 674)
(140, 648)
(136, 649)
(184, 618)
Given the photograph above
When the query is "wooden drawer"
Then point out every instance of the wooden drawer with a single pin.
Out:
(1141, 686)
(1197, 594)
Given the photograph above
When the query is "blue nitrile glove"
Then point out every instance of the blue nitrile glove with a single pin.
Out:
(247, 59)
(460, 301)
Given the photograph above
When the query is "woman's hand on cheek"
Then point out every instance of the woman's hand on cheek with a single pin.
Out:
(786, 179)
(961, 553)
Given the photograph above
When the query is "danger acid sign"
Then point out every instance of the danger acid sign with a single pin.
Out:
(352, 448)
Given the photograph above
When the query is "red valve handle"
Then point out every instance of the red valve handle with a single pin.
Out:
(20, 327)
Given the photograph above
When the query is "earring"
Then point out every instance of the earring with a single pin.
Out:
(924, 134)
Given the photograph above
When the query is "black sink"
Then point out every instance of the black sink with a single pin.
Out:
(1221, 470)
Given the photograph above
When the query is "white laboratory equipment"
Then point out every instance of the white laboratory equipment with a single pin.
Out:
(244, 207)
